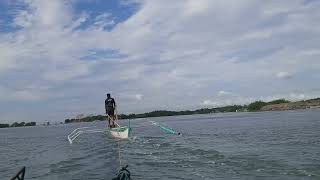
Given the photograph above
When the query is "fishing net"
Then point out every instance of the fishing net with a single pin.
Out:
(123, 174)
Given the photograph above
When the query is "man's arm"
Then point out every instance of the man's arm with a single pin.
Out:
(114, 104)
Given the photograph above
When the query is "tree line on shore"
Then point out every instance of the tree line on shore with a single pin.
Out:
(255, 106)
(16, 124)
(252, 107)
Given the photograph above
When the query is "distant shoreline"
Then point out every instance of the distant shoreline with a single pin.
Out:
(307, 104)
(16, 124)
(257, 106)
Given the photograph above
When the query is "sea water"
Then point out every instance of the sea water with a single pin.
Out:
(263, 145)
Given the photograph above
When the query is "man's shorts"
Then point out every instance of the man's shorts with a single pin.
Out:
(110, 112)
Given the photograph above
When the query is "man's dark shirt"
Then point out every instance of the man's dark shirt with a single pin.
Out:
(109, 104)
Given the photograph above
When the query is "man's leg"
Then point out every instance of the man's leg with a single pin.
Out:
(109, 118)
(113, 118)
(112, 122)
(109, 122)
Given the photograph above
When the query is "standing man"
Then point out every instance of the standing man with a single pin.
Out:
(110, 106)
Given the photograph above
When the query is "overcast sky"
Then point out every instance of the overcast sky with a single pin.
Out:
(59, 58)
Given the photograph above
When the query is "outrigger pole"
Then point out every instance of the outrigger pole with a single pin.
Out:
(77, 132)
(164, 128)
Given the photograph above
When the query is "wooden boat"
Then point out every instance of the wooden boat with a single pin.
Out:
(120, 132)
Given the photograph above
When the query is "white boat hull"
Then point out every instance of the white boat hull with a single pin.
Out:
(120, 132)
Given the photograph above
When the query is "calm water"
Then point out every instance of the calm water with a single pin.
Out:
(274, 145)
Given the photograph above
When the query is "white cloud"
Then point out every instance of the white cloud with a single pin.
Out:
(209, 103)
(310, 52)
(139, 97)
(224, 93)
(241, 100)
(21, 95)
(173, 51)
(194, 7)
(104, 20)
(295, 96)
(23, 19)
(129, 97)
(283, 75)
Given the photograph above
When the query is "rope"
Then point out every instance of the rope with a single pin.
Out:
(119, 155)
(123, 173)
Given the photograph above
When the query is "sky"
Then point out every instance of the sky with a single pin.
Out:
(60, 58)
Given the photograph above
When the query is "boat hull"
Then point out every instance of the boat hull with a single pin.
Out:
(120, 132)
